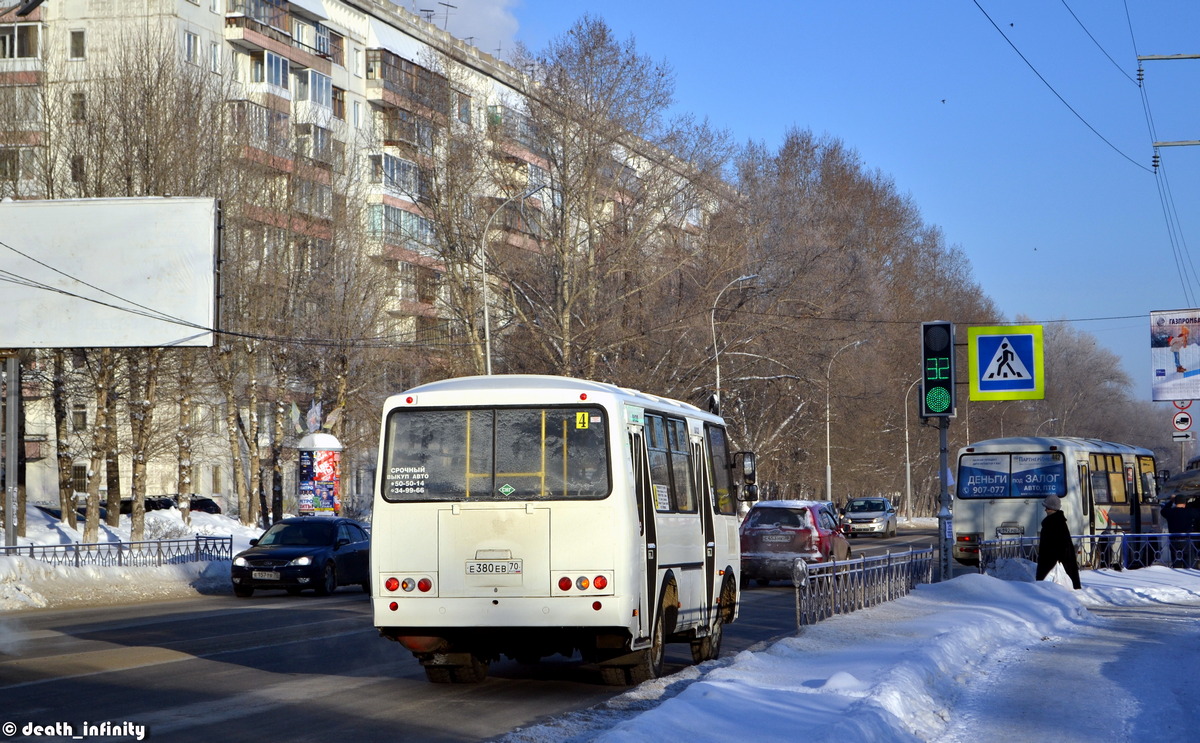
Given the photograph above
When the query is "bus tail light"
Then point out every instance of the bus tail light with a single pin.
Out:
(408, 584)
(574, 582)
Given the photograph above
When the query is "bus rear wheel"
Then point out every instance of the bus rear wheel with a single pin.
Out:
(650, 662)
(709, 648)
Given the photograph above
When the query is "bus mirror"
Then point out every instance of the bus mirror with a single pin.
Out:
(750, 494)
(744, 460)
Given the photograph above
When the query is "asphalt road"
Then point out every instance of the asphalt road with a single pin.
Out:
(294, 668)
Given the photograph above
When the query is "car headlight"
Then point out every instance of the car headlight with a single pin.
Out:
(240, 561)
(878, 520)
(300, 561)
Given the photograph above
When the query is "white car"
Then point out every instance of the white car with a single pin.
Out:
(869, 516)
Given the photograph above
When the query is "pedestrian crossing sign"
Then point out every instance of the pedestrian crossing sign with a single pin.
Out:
(1006, 362)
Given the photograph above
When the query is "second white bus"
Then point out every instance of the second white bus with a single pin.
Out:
(1105, 487)
(525, 516)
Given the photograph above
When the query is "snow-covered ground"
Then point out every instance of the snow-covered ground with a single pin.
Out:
(974, 658)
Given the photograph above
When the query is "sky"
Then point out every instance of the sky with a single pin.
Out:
(1031, 150)
(978, 657)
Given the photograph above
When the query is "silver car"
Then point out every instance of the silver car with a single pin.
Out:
(869, 516)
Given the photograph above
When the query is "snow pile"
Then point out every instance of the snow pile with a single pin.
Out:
(26, 583)
(893, 672)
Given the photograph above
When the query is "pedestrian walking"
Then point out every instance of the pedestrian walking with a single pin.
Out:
(1181, 520)
(1055, 545)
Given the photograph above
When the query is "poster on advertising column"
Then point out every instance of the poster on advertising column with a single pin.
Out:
(319, 476)
(1175, 355)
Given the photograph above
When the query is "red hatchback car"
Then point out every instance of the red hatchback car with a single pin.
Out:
(775, 533)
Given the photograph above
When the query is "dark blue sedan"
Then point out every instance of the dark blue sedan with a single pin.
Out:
(314, 552)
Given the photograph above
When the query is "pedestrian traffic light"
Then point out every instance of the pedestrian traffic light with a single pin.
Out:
(937, 369)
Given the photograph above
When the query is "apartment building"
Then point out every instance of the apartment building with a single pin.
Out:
(347, 102)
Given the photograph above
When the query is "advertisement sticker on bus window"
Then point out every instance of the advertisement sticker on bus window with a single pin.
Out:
(1037, 475)
(581, 420)
(404, 481)
(662, 496)
(983, 476)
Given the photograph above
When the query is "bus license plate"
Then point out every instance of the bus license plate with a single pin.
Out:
(1010, 531)
(494, 567)
(264, 575)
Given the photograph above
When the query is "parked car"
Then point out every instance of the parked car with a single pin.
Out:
(205, 505)
(314, 552)
(159, 503)
(869, 516)
(775, 533)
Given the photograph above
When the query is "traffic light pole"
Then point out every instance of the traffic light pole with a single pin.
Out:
(945, 518)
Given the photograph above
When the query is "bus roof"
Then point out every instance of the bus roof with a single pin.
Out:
(1062, 443)
(546, 383)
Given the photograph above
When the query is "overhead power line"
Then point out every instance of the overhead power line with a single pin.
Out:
(1050, 87)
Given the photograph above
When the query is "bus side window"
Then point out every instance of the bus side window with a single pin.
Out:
(681, 466)
(660, 464)
(719, 473)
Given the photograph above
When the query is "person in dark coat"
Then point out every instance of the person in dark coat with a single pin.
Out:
(1055, 545)
(1181, 519)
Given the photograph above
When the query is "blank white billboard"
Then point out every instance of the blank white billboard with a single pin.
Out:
(120, 273)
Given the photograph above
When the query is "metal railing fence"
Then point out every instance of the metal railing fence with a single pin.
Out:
(826, 589)
(151, 553)
(1104, 550)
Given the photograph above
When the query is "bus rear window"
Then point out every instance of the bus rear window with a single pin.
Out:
(1033, 475)
(496, 454)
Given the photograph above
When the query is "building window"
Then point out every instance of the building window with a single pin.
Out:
(464, 108)
(78, 172)
(337, 53)
(78, 417)
(216, 479)
(214, 57)
(271, 69)
(10, 164)
(357, 114)
(313, 86)
(78, 106)
(339, 104)
(78, 44)
(191, 47)
(358, 63)
(19, 41)
(79, 478)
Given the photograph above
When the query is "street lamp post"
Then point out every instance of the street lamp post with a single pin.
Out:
(907, 456)
(716, 349)
(1038, 430)
(487, 325)
(828, 384)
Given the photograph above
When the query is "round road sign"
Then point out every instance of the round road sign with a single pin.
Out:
(1183, 404)
(1182, 421)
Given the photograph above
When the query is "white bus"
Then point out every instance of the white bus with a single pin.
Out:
(1106, 488)
(532, 515)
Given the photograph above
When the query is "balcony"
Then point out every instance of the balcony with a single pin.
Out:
(253, 35)
(394, 82)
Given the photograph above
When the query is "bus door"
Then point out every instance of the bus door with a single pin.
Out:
(674, 500)
(705, 491)
(1096, 518)
(648, 527)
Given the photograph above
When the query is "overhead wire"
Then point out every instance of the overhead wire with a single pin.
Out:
(1179, 249)
(1051, 88)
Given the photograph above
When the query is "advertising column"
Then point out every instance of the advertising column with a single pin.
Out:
(319, 477)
